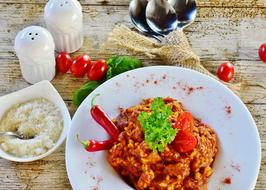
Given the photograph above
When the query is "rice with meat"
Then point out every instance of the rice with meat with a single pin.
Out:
(145, 169)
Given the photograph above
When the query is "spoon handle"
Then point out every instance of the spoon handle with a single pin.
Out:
(9, 134)
(158, 37)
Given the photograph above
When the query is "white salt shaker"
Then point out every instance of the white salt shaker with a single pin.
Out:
(64, 20)
(35, 49)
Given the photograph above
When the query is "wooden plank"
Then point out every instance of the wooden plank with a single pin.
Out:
(217, 33)
(49, 173)
(206, 3)
(251, 74)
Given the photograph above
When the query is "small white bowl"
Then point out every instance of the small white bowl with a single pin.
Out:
(43, 89)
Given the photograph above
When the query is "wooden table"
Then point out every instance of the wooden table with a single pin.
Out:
(223, 30)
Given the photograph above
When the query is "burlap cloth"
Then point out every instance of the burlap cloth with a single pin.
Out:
(173, 50)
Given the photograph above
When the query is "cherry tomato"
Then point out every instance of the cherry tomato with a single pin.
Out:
(184, 142)
(97, 70)
(262, 52)
(80, 65)
(226, 71)
(185, 122)
(63, 62)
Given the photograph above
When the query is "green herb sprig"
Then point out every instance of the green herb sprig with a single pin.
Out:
(158, 130)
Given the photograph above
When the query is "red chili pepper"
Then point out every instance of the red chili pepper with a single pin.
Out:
(102, 119)
(94, 145)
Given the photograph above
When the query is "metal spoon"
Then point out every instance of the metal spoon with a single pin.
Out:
(186, 11)
(161, 16)
(137, 13)
(14, 134)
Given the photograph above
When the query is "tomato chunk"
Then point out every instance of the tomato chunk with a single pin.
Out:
(185, 122)
(184, 142)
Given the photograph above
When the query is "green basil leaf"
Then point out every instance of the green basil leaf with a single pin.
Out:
(116, 65)
(84, 91)
(120, 64)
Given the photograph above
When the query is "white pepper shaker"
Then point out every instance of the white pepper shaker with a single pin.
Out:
(64, 20)
(35, 49)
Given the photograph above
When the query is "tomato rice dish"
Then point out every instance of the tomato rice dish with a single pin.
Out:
(184, 163)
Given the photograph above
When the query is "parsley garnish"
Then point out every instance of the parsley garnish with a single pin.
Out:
(158, 130)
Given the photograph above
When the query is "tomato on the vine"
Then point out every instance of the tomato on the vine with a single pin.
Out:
(80, 65)
(97, 70)
(262, 52)
(226, 71)
(185, 122)
(63, 62)
(184, 142)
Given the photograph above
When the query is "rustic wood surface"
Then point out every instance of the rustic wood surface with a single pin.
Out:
(223, 30)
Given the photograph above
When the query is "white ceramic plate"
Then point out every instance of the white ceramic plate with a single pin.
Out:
(43, 89)
(239, 144)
